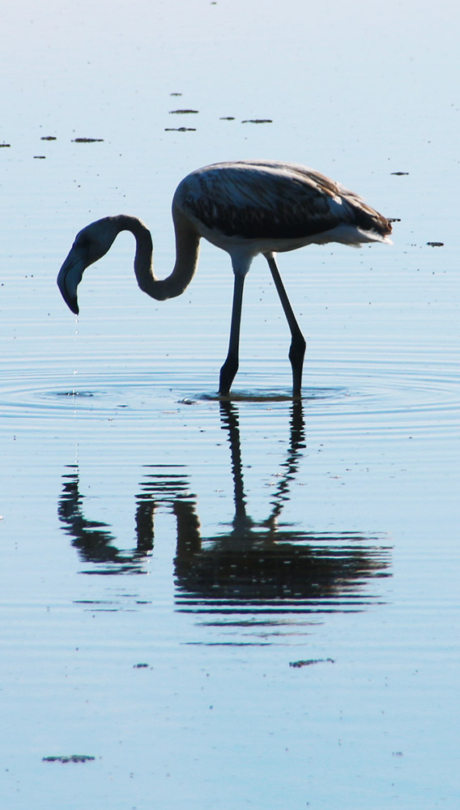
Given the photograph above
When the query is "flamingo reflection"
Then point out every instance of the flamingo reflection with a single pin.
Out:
(249, 563)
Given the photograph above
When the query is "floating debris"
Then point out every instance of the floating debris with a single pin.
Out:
(87, 140)
(257, 121)
(227, 118)
(39, 157)
(71, 758)
(399, 174)
(183, 112)
(394, 219)
(140, 666)
(175, 94)
(48, 138)
(4, 145)
(310, 661)
(436, 244)
(180, 129)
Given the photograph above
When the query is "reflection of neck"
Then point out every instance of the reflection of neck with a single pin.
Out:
(93, 539)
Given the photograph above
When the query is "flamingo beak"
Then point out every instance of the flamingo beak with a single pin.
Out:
(70, 276)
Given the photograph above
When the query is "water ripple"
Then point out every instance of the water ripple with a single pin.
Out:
(378, 397)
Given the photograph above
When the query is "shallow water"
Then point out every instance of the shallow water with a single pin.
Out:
(251, 602)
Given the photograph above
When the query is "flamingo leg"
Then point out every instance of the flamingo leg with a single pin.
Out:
(230, 367)
(298, 342)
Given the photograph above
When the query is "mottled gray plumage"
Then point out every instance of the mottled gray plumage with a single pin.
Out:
(272, 200)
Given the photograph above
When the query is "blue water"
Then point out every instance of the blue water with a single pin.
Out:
(252, 603)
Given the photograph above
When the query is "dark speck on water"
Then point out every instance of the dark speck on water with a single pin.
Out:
(309, 661)
(87, 140)
(183, 112)
(4, 145)
(48, 138)
(180, 129)
(71, 758)
(436, 244)
(227, 118)
(257, 121)
(399, 174)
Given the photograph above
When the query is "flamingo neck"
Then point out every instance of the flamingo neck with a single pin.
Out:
(187, 250)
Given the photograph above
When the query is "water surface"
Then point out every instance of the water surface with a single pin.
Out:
(243, 603)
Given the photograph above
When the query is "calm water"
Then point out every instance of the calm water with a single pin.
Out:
(244, 604)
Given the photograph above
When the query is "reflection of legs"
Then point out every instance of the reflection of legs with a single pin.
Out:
(229, 416)
(298, 343)
(230, 367)
(297, 438)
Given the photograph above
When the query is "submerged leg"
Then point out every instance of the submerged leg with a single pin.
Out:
(298, 343)
(230, 367)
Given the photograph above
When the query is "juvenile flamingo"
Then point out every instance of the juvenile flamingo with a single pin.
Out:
(244, 207)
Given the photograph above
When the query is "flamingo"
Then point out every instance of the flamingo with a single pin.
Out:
(244, 207)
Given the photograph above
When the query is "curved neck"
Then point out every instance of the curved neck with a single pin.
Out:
(187, 250)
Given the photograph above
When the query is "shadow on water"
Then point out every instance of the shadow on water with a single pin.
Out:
(265, 566)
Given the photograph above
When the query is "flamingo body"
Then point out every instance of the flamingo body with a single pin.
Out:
(244, 208)
(275, 205)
